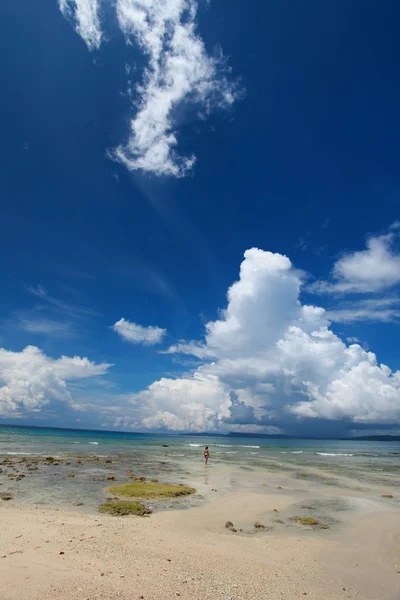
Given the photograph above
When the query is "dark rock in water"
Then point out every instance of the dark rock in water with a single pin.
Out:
(165, 446)
(111, 478)
(6, 497)
(229, 524)
(78, 503)
(258, 525)
(108, 461)
(306, 521)
(154, 481)
(120, 508)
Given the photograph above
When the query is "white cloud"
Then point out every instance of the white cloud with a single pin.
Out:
(362, 390)
(179, 72)
(29, 380)
(384, 310)
(137, 334)
(374, 269)
(274, 357)
(75, 367)
(45, 326)
(85, 14)
(197, 349)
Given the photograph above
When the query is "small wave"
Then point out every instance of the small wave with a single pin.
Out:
(76, 442)
(255, 453)
(297, 452)
(234, 446)
(95, 443)
(24, 453)
(333, 454)
(195, 445)
(283, 452)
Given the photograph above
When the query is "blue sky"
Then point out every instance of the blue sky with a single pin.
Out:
(145, 151)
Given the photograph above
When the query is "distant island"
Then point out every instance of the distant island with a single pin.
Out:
(283, 436)
(375, 438)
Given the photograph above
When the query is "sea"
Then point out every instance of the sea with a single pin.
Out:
(362, 460)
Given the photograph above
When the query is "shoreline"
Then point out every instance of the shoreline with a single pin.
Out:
(59, 554)
(352, 551)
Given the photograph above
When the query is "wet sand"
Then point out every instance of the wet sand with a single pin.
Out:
(353, 551)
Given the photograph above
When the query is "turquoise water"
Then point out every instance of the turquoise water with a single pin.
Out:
(87, 459)
(375, 460)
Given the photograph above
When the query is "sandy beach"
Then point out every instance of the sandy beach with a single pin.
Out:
(69, 554)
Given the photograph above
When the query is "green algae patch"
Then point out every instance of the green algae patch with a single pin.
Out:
(120, 509)
(306, 521)
(387, 496)
(149, 490)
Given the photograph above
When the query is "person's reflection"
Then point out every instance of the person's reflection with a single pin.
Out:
(206, 477)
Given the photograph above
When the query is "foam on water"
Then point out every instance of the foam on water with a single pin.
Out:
(333, 454)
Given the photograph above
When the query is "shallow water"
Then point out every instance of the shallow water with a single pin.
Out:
(347, 458)
(239, 462)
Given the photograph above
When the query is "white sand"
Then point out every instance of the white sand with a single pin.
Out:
(189, 554)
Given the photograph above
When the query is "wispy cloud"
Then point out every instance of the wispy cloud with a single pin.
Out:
(384, 310)
(72, 309)
(137, 334)
(85, 14)
(179, 73)
(45, 326)
(198, 349)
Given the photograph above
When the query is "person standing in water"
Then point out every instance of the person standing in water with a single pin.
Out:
(206, 455)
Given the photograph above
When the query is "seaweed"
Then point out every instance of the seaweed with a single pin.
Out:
(150, 490)
(119, 508)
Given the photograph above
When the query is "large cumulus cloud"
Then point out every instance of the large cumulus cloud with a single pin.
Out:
(30, 380)
(270, 356)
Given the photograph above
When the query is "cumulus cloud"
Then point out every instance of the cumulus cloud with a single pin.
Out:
(195, 403)
(179, 72)
(30, 380)
(374, 269)
(137, 334)
(85, 15)
(273, 359)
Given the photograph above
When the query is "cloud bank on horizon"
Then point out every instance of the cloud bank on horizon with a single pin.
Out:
(277, 356)
(179, 73)
(266, 359)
